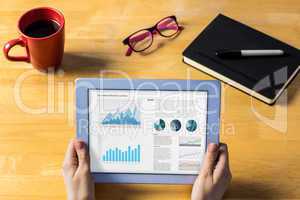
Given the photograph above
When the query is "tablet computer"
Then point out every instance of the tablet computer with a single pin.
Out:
(147, 131)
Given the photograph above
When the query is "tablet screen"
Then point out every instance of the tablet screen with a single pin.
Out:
(145, 131)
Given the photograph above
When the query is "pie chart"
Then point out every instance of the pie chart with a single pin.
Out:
(175, 125)
(191, 125)
(159, 125)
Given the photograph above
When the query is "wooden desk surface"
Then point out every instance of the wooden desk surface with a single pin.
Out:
(263, 140)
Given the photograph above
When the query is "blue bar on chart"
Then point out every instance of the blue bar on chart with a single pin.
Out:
(130, 155)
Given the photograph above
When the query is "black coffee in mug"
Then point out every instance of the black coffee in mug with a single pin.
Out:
(41, 28)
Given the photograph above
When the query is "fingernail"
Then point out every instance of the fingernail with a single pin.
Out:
(212, 147)
(80, 145)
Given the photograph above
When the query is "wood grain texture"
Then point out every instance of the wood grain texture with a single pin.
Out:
(37, 111)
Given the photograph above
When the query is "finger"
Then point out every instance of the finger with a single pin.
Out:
(223, 149)
(82, 153)
(222, 166)
(209, 160)
(70, 162)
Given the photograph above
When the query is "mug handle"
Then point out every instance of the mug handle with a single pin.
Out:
(19, 41)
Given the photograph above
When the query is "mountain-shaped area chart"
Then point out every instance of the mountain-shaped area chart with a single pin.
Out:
(130, 116)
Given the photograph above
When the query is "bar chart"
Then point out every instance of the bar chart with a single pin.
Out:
(118, 155)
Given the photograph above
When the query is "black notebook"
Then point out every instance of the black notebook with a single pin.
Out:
(262, 77)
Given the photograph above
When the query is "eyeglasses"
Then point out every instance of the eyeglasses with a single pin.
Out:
(143, 39)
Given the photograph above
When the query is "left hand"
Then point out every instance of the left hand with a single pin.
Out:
(76, 172)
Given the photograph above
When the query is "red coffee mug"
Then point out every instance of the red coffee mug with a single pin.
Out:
(42, 52)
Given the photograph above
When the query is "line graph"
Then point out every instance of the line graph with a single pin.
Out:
(129, 116)
(190, 155)
(190, 141)
(189, 165)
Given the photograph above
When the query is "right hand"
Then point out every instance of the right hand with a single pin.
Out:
(215, 176)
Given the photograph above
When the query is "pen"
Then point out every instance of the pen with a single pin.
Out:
(249, 53)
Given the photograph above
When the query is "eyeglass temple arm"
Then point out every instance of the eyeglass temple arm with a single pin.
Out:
(134, 40)
(129, 51)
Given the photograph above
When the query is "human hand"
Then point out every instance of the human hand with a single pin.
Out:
(214, 176)
(76, 172)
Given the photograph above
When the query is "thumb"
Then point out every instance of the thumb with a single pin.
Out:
(71, 161)
(210, 159)
(82, 153)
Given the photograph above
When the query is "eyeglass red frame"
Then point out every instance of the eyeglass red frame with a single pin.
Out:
(153, 30)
